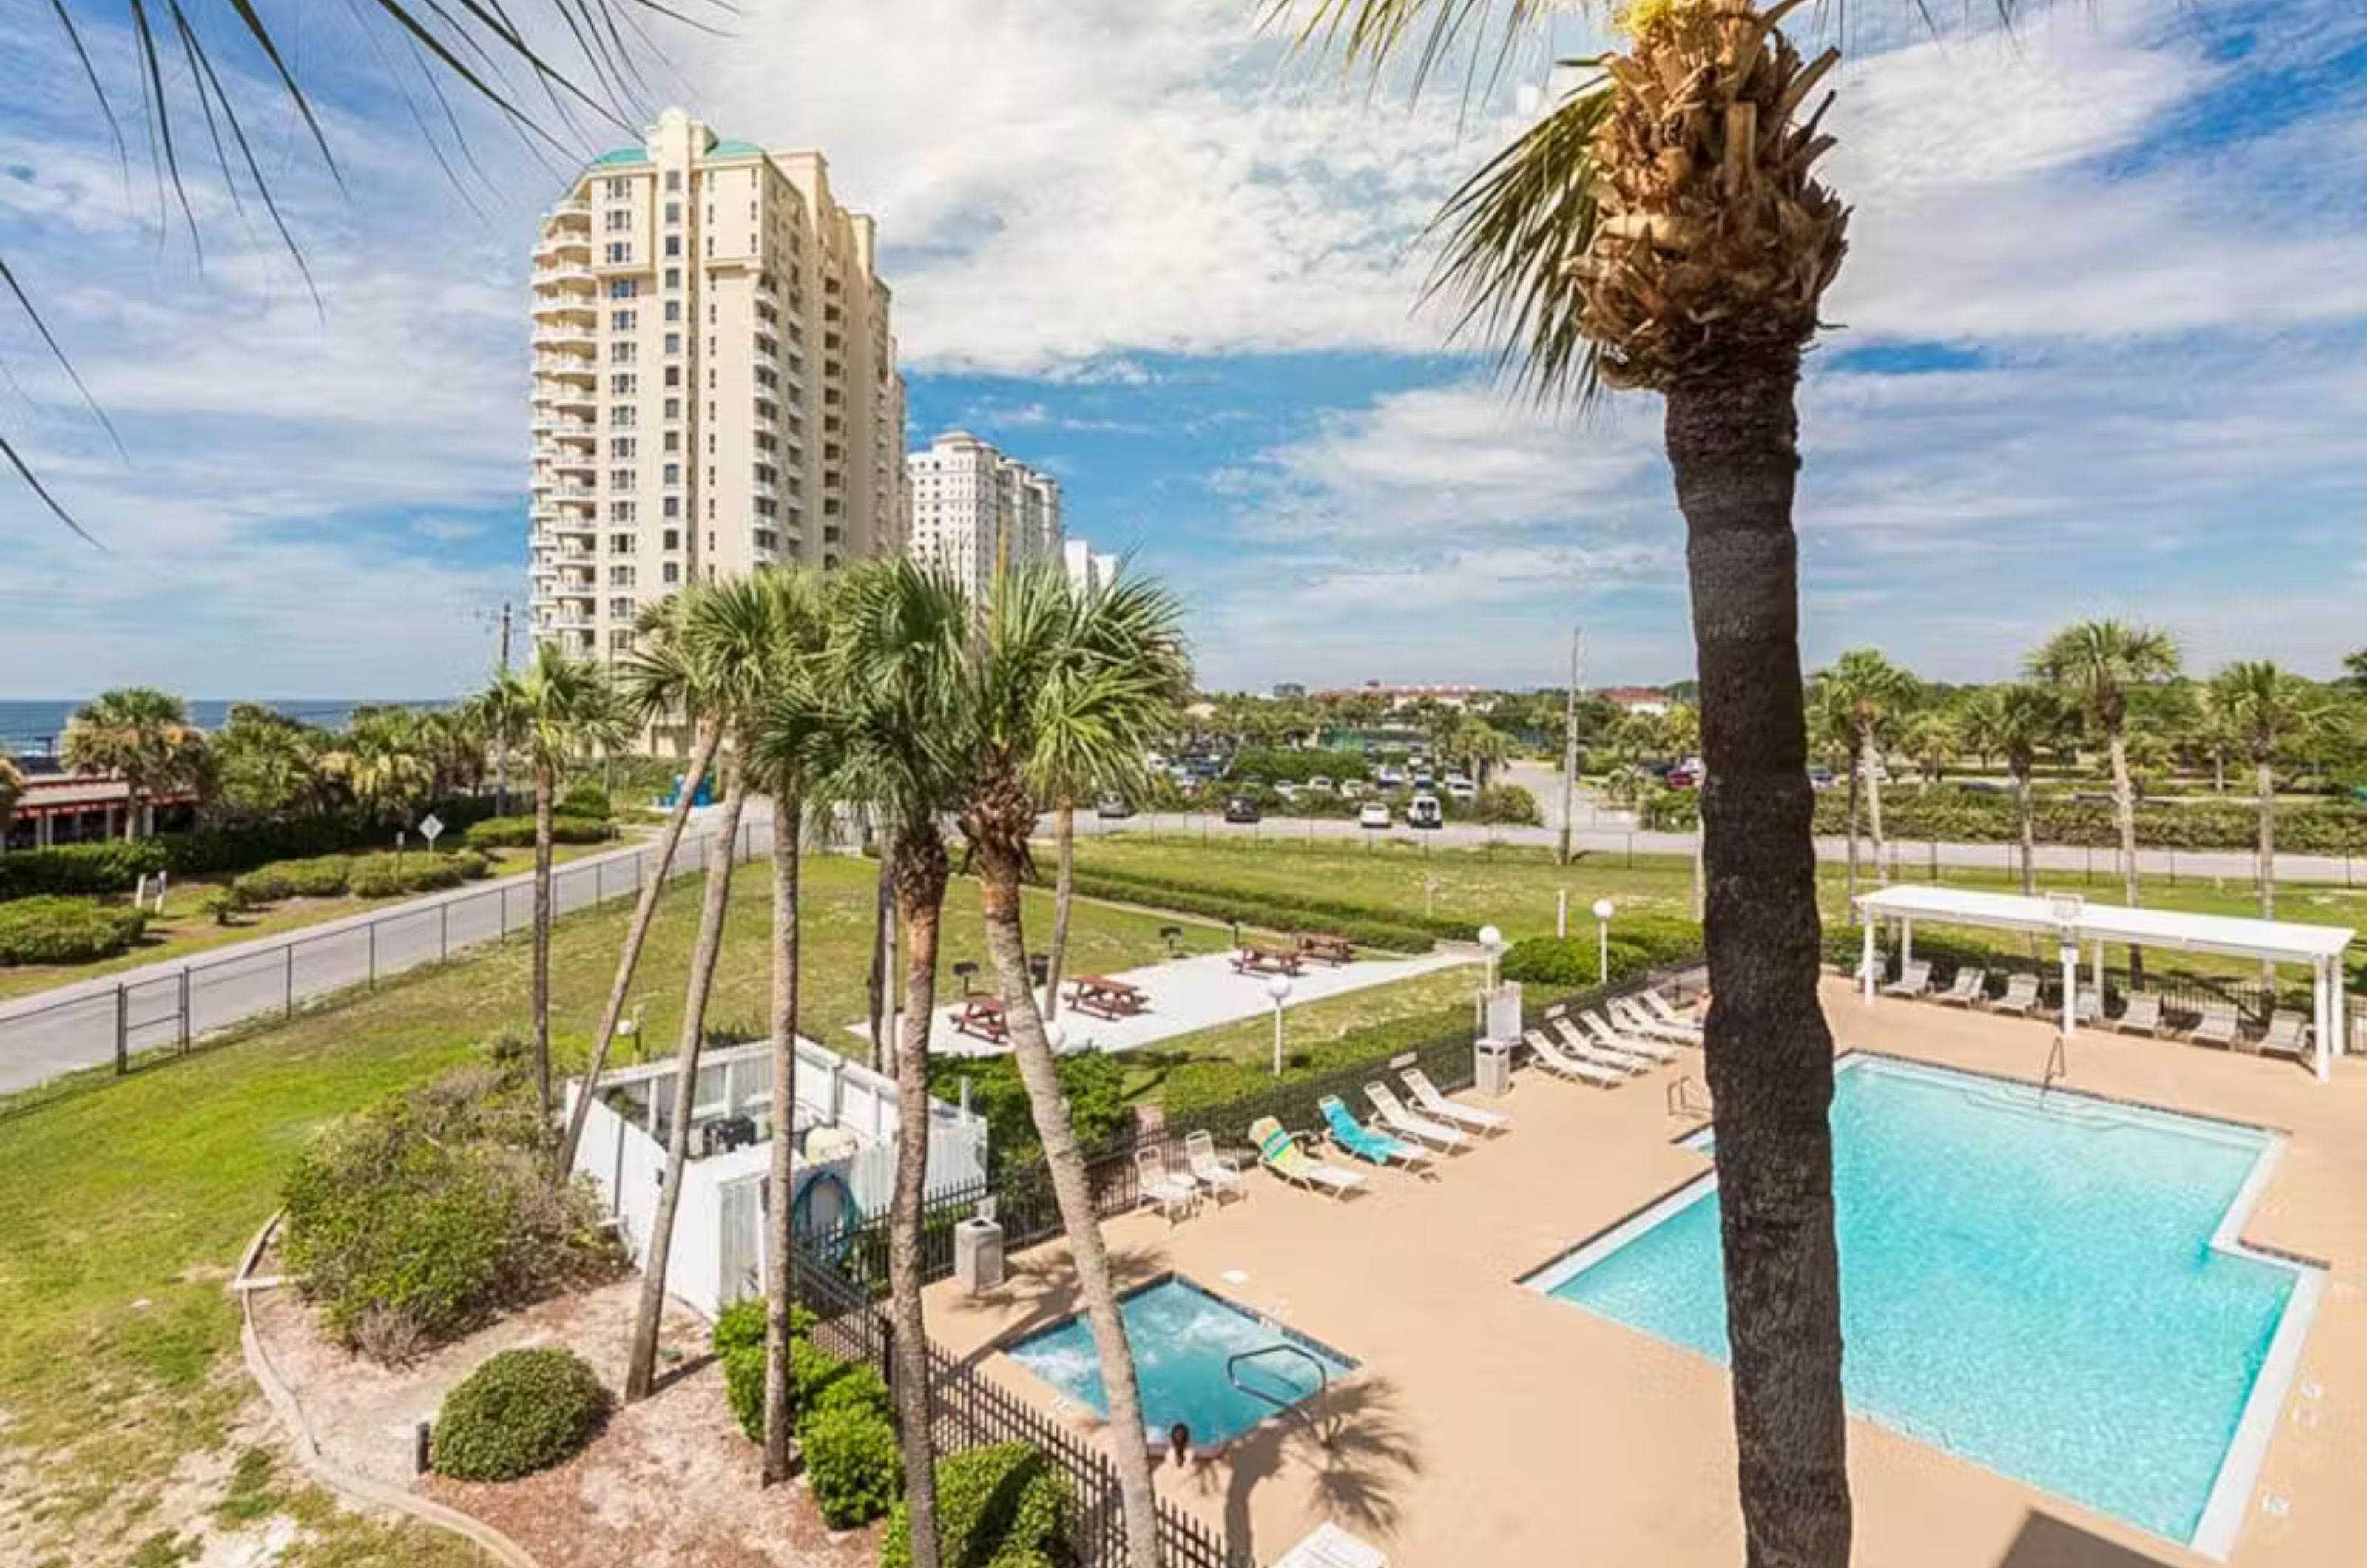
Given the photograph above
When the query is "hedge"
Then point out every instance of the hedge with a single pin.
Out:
(517, 832)
(1638, 943)
(1951, 815)
(365, 877)
(852, 1462)
(83, 870)
(522, 1411)
(1005, 1506)
(1397, 930)
(65, 931)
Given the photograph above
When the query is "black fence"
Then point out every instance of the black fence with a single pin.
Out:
(967, 1412)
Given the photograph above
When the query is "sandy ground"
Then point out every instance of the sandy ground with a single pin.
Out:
(670, 1481)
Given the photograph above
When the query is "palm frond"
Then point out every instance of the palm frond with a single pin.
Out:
(1372, 35)
(1511, 239)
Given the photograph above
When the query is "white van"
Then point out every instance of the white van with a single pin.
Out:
(1423, 811)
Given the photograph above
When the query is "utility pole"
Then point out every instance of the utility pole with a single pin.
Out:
(1569, 741)
(501, 749)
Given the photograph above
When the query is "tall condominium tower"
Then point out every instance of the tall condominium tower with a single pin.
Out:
(973, 508)
(714, 381)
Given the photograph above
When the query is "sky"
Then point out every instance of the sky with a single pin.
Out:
(2097, 347)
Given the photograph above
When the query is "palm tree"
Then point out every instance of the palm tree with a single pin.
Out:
(1661, 229)
(142, 737)
(383, 761)
(897, 664)
(12, 790)
(2268, 710)
(1934, 741)
(792, 750)
(1062, 688)
(264, 764)
(727, 634)
(658, 680)
(553, 709)
(2017, 721)
(2094, 665)
(1870, 693)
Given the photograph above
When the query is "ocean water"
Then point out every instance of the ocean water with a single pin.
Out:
(2028, 1285)
(1182, 1339)
(33, 726)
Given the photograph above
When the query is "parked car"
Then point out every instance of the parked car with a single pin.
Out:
(1389, 778)
(1681, 777)
(1240, 808)
(1355, 789)
(1374, 814)
(1423, 811)
(1820, 778)
(1461, 788)
(1319, 785)
(1113, 807)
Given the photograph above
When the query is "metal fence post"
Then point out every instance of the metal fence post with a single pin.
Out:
(372, 929)
(290, 981)
(122, 1029)
(443, 930)
(184, 1007)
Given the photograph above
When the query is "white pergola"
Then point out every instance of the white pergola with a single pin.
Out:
(2077, 924)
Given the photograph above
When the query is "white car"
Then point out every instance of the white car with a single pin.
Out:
(1319, 785)
(1462, 789)
(1374, 814)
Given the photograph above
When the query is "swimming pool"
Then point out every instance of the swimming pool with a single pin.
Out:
(1184, 1340)
(2049, 1286)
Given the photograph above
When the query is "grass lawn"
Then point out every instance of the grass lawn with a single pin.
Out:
(127, 1205)
(184, 930)
(1514, 888)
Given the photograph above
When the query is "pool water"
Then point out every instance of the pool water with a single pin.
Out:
(1182, 1339)
(2030, 1283)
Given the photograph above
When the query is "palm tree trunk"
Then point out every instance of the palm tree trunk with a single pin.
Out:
(1874, 805)
(641, 1372)
(2125, 814)
(543, 785)
(1064, 836)
(2029, 833)
(2267, 785)
(921, 872)
(1734, 444)
(1006, 946)
(780, 1261)
(645, 909)
(1856, 763)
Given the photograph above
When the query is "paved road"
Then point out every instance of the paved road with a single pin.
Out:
(164, 1005)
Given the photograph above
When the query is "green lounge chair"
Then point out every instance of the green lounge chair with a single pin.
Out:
(1279, 1152)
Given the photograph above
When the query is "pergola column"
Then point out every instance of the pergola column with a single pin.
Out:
(2322, 997)
(1865, 965)
(2069, 952)
(2100, 975)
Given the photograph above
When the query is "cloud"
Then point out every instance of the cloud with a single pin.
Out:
(447, 530)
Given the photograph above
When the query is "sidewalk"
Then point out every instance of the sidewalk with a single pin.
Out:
(89, 1023)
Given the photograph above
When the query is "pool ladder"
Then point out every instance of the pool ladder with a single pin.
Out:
(2058, 1065)
(1288, 1407)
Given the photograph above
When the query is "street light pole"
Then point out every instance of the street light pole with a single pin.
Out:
(1603, 910)
(1279, 990)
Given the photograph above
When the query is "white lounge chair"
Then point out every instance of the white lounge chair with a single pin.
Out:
(2218, 1026)
(1279, 1152)
(1668, 1011)
(1913, 980)
(1554, 1059)
(2142, 1015)
(1156, 1185)
(1478, 1118)
(1631, 1018)
(1621, 1039)
(2288, 1034)
(1394, 1115)
(1576, 1043)
(1220, 1174)
(1966, 989)
(2089, 1007)
(2021, 995)
(1330, 1547)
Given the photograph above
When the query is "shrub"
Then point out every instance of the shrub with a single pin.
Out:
(224, 904)
(1388, 931)
(1094, 1083)
(586, 800)
(1669, 810)
(1638, 943)
(1505, 803)
(381, 876)
(79, 870)
(1000, 1507)
(65, 931)
(738, 1339)
(324, 876)
(521, 1412)
(422, 1217)
(854, 1464)
(517, 832)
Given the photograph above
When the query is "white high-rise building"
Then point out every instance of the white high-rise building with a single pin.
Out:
(973, 508)
(715, 385)
(1090, 570)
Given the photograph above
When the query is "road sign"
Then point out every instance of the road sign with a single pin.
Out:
(431, 828)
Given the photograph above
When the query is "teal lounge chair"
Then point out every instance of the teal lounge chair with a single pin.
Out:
(1353, 1137)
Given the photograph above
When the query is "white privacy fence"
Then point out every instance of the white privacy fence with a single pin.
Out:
(720, 1231)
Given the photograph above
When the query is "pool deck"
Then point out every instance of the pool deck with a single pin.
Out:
(1488, 1424)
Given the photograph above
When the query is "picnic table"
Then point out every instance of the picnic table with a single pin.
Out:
(1106, 998)
(1330, 949)
(1252, 960)
(982, 1017)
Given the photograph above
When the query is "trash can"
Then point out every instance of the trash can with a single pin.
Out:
(1491, 1067)
(978, 1255)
